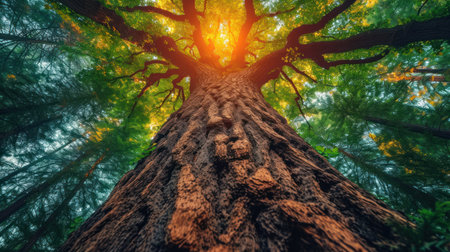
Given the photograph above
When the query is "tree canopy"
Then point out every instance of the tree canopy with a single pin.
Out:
(85, 85)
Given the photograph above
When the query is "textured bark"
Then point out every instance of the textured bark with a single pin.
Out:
(228, 173)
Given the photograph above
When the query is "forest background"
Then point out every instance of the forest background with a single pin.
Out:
(73, 120)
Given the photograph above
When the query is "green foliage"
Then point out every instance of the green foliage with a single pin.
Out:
(75, 224)
(432, 230)
(66, 104)
(327, 152)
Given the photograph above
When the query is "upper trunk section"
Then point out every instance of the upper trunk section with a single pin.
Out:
(228, 173)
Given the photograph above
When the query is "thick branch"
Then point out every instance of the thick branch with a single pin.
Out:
(438, 28)
(191, 13)
(311, 28)
(164, 46)
(238, 54)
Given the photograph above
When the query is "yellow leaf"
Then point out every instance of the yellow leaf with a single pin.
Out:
(408, 171)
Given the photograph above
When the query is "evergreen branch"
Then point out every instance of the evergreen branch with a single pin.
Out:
(57, 212)
(9, 37)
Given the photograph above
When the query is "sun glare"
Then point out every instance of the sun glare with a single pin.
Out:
(220, 39)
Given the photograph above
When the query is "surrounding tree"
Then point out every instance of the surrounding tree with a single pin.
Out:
(87, 84)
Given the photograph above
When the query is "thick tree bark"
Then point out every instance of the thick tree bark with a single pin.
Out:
(228, 173)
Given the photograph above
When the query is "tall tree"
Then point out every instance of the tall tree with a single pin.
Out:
(226, 171)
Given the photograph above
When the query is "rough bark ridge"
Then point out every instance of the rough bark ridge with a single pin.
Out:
(229, 173)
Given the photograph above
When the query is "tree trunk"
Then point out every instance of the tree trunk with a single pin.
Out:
(228, 173)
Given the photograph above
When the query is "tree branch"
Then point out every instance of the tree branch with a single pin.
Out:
(428, 70)
(438, 28)
(327, 65)
(156, 10)
(238, 54)
(298, 96)
(433, 29)
(175, 85)
(301, 72)
(146, 64)
(15, 38)
(274, 14)
(152, 79)
(163, 45)
(425, 2)
(311, 28)
(191, 13)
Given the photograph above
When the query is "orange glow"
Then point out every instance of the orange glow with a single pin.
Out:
(220, 39)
